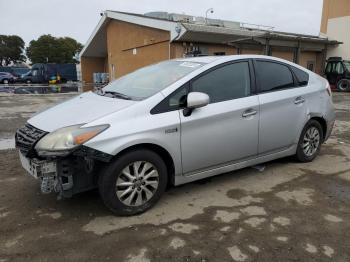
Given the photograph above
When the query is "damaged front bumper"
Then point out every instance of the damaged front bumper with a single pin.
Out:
(67, 174)
(54, 175)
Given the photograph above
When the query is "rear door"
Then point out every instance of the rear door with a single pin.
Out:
(282, 106)
(226, 130)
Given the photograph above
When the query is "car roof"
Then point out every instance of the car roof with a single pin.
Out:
(211, 59)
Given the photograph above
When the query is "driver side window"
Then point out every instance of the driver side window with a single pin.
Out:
(225, 83)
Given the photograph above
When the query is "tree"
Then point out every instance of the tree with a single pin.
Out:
(11, 49)
(49, 49)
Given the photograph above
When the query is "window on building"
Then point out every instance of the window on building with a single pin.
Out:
(225, 83)
(311, 65)
(273, 76)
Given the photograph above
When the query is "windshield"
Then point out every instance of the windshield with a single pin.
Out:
(347, 65)
(150, 80)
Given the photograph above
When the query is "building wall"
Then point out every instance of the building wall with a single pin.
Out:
(132, 46)
(90, 65)
(336, 24)
(333, 9)
(246, 51)
(286, 55)
(307, 58)
(179, 49)
(339, 29)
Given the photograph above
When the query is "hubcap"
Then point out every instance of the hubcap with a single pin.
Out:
(311, 141)
(137, 183)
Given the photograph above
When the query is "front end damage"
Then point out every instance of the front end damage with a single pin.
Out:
(68, 174)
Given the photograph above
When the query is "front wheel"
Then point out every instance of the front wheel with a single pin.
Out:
(310, 141)
(133, 183)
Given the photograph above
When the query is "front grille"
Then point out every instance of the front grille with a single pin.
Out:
(27, 137)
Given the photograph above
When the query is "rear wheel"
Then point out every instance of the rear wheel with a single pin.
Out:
(310, 141)
(28, 81)
(344, 85)
(133, 183)
(5, 81)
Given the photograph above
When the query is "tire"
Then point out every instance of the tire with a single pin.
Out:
(5, 81)
(28, 82)
(314, 132)
(114, 177)
(344, 85)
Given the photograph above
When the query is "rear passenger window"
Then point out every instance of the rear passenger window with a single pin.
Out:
(302, 77)
(273, 76)
(225, 83)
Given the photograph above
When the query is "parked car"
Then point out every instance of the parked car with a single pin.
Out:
(16, 71)
(176, 122)
(53, 73)
(338, 73)
(6, 78)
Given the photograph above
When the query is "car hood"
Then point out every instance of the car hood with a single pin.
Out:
(79, 110)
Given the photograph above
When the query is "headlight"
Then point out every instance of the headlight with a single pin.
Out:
(67, 138)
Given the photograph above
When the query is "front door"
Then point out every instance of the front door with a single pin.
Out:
(226, 130)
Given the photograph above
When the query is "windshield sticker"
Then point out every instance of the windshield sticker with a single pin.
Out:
(189, 64)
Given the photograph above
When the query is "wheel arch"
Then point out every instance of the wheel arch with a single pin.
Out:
(159, 150)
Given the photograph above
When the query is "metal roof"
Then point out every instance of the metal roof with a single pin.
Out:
(214, 34)
(96, 46)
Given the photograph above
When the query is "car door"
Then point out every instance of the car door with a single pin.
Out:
(226, 130)
(282, 106)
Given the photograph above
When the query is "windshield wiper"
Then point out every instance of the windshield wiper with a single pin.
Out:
(117, 95)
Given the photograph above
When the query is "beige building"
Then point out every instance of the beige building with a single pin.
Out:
(124, 42)
(336, 25)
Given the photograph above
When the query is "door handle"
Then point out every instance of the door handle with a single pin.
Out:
(299, 100)
(249, 112)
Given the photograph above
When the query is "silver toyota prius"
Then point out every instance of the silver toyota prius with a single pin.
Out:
(175, 122)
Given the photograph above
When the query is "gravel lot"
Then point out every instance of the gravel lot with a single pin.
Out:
(288, 212)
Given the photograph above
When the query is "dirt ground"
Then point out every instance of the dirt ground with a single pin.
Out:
(288, 212)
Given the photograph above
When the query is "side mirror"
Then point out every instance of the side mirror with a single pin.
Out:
(197, 100)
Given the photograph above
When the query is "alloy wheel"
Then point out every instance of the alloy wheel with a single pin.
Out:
(311, 141)
(137, 183)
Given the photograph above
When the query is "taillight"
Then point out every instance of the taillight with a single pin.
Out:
(329, 90)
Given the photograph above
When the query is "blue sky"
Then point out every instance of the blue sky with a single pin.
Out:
(77, 18)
